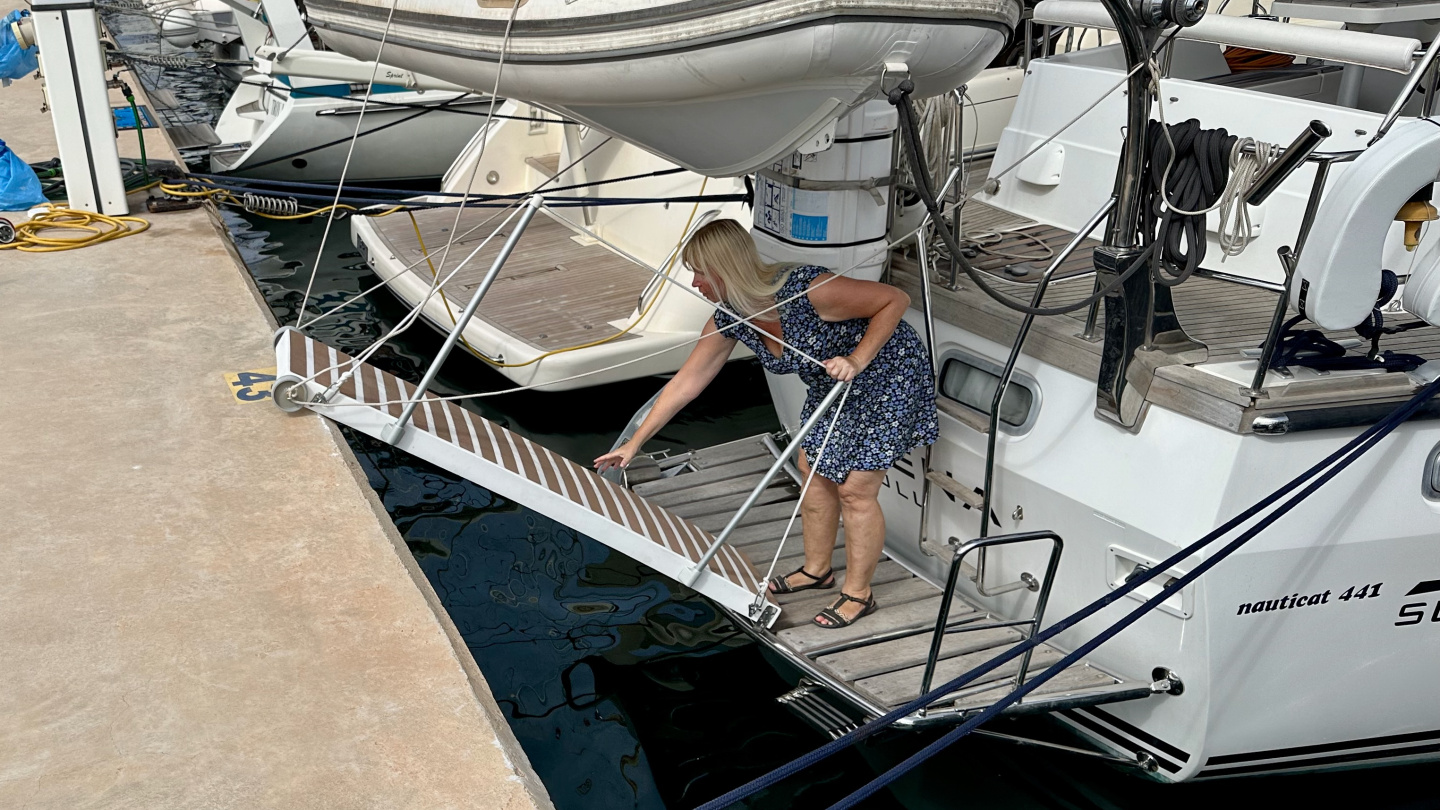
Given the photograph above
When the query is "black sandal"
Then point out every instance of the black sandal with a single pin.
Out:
(837, 620)
(781, 584)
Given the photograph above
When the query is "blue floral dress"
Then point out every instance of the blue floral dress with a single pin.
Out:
(891, 407)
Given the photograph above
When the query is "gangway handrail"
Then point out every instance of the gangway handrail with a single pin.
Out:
(691, 574)
(396, 429)
(1321, 473)
(1041, 600)
(1006, 375)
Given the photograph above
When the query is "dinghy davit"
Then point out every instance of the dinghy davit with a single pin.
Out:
(721, 88)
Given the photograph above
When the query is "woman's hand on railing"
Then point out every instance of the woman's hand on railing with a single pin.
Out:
(619, 458)
(844, 368)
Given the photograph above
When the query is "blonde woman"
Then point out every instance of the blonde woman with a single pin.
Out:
(856, 327)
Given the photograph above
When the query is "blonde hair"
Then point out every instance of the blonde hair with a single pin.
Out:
(724, 250)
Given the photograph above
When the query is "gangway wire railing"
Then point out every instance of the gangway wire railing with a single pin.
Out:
(1308, 482)
(781, 459)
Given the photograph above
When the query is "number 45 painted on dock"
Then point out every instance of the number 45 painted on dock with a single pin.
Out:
(251, 386)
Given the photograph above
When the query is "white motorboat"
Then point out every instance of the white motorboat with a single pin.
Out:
(1081, 457)
(585, 292)
(300, 127)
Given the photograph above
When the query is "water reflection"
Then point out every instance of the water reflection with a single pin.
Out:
(589, 653)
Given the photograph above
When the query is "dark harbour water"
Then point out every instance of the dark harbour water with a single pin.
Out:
(629, 691)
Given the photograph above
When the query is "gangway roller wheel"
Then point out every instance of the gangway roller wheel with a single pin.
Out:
(7, 231)
(283, 393)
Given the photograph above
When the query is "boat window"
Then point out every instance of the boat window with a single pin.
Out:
(973, 386)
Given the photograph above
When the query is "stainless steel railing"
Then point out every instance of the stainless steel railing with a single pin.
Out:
(943, 627)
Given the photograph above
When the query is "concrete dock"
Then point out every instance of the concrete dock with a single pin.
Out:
(202, 603)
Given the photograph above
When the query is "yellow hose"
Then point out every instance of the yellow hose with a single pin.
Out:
(36, 235)
(433, 274)
(224, 195)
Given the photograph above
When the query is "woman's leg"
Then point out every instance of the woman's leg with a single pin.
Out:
(864, 535)
(820, 519)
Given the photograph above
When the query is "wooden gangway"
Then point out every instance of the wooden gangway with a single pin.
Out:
(443, 433)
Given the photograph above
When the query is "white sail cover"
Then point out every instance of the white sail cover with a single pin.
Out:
(721, 88)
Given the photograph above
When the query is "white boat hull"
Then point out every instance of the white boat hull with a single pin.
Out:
(286, 135)
(1334, 681)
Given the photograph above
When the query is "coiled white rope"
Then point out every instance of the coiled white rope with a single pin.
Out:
(1245, 167)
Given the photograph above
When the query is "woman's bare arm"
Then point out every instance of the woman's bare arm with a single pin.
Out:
(842, 299)
(704, 362)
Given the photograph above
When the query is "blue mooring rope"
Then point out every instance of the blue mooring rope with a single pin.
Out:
(1340, 459)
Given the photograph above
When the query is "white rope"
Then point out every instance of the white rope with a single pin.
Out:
(459, 210)
(345, 169)
(1245, 167)
(437, 283)
(484, 142)
(763, 585)
(985, 242)
(664, 278)
(410, 317)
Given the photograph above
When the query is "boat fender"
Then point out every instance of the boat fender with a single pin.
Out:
(1338, 275)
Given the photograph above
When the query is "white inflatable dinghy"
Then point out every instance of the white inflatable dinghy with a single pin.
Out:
(720, 87)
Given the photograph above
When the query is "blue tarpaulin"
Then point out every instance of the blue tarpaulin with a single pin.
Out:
(19, 187)
(15, 62)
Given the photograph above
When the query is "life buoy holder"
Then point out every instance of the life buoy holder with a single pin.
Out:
(1338, 276)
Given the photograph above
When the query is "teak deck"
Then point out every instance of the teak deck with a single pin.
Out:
(1226, 317)
(554, 291)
